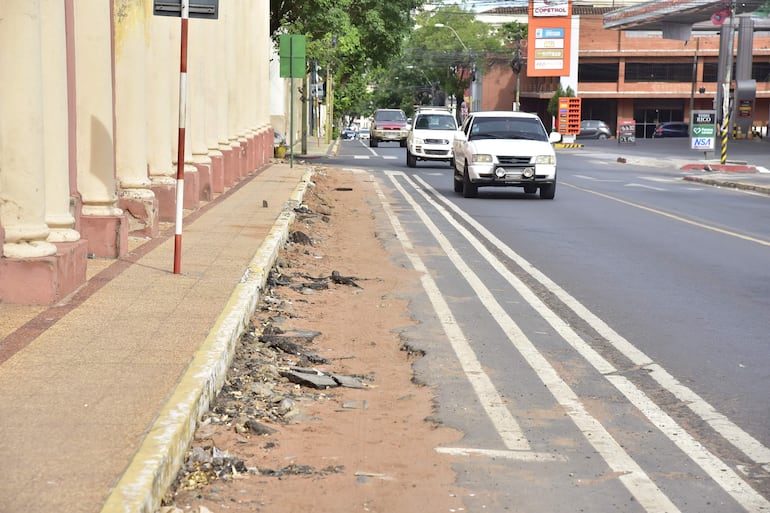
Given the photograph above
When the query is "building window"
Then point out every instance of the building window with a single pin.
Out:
(590, 72)
(710, 72)
(658, 72)
(760, 71)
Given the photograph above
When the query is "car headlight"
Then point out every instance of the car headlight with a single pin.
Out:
(482, 157)
(545, 159)
(417, 140)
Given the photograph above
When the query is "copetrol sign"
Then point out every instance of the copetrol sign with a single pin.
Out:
(549, 38)
(550, 8)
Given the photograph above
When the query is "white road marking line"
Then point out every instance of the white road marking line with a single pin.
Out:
(731, 432)
(594, 179)
(633, 477)
(507, 455)
(361, 157)
(659, 179)
(642, 186)
(494, 406)
(389, 157)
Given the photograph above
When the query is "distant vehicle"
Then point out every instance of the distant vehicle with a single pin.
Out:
(364, 134)
(594, 129)
(431, 136)
(349, 133)
(672, 129)
(504, 149)
(388, 125)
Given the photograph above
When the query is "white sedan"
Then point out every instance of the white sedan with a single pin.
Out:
(504, 149)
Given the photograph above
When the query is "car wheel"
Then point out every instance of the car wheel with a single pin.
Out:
(470, 190)
(452, 163)
(456, 179)
(402, 143)
(602, 136)
(548, 191)
(411, 160)
(530, 189)
(372, 142)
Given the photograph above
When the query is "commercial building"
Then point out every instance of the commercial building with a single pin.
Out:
(635, 74)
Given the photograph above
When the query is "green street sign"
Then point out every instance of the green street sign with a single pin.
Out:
(704, 131)
(292, 51)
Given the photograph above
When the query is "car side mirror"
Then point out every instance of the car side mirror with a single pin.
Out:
(554, 137)
(460, 136)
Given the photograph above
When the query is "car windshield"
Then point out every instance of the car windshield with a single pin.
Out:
(435, 122)
(390, 115)
(507, 128)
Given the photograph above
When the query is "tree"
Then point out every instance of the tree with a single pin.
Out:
(553, 103)
(453, 52)
(350, 38)
(513, 33)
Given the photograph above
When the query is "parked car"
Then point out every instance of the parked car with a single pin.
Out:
(672, 129)
(504, 149)
(388, 125)
(431, 136)
(594, 129)
(364, 134)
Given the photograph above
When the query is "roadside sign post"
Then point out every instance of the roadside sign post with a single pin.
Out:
(292, 51)
(704, 130)
(627, 132)
(183, 9)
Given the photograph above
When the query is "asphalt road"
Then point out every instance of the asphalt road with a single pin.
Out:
(608, 350)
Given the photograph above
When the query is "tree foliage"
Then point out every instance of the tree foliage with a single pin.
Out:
(349, 37)
(553, 103)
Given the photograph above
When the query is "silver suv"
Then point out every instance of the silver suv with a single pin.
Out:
(431, 136)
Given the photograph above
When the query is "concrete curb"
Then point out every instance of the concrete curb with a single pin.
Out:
(746, 186)
(161, 454)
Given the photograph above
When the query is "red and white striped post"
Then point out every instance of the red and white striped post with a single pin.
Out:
(180, 147)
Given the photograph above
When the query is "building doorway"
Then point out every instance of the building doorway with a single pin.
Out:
(649, 115)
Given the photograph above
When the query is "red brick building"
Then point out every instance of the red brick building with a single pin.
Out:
(629, 74)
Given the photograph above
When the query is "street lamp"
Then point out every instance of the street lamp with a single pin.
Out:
(470, 56)
(441, 25)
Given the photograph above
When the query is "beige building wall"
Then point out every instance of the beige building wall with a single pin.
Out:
(89, 124)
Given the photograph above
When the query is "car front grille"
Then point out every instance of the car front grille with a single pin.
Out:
(437, 153)
(513, 160)
(436, 141)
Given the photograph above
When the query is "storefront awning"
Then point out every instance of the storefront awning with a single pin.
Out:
(667, 14)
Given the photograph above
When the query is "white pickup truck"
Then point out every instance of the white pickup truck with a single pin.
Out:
(504, 149)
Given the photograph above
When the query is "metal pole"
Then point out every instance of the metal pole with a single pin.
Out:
(180, 146)
(726, 86)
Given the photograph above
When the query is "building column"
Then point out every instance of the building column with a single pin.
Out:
(33, 270)
(198, 69)
(135, 195)
(159, 114)
(231, 57)
(59, 208)
(215, 101)
(22, 182)
(103, 223)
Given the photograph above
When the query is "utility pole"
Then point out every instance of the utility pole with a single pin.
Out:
(725, 86)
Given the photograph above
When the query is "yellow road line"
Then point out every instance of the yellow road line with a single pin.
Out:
(672, 216)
